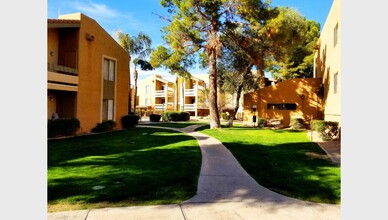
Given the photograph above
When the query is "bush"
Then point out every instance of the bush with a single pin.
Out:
(62, 127)
(296, 123)
(130, 120)
(260, 122)
(155, 117)
(224, 115)
(184, 116)
(176, 116)
(327, 130)
(104, 126)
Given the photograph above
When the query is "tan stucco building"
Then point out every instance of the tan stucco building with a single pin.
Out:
(294, 98)
(311, 98)
(327, 63)
(182, 94)
(157, 94)
(88, 72)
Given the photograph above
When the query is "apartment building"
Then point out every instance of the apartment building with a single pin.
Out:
(87, 74)
(327, 63)
(310, 98)
(192, 94)
(156, 94)
(179, 94)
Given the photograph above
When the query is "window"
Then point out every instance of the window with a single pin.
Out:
(335, 82)
(107, 111)
(148, 90)
(109, 70)
(108, 95)
(282, 106)
(335, 35)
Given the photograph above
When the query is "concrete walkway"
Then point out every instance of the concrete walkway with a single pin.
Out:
(225, 191)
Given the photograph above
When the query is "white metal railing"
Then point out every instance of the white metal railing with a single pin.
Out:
(190, 92)
(160, 93)
(189, 107)
(159, 106)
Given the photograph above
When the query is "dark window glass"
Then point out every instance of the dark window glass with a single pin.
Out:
(281, 106)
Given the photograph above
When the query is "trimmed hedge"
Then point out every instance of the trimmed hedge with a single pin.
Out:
(327, 130)
(155, 117)
(104, 126)
(176, 116)
(130, 120)
(62, 127)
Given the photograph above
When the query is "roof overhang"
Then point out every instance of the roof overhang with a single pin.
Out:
(63, 23)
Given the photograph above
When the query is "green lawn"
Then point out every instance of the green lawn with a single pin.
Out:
(139, 166)
(284, 161)
(181, 124)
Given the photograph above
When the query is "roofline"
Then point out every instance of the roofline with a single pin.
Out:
(63, 23)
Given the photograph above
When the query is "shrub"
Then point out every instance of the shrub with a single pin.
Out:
(155, 117)
(260, 122)
(327, 130)
(108, 125)
(184, 116)
(224, 115)
(130, 120)
(62, 127)
(176, 116)
(296, 123)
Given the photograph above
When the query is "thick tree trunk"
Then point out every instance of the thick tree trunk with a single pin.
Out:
(213, 108)
(238, 95)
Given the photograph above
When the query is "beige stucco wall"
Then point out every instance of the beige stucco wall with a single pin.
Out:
(328, 63)
(141, 91)
(289, 91)
(90, 78)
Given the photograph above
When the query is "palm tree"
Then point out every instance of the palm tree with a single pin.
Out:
(139, 46)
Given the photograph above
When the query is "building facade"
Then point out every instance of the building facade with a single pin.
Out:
(293, 98)
(327, 63)
(156, 94)
(88, 72)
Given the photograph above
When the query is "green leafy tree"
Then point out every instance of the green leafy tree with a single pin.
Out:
(195, 28)
(235, 73)
(293, 39)
(140, 46)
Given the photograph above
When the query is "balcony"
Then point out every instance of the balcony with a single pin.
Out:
(61, 69)
(62, 78)
(190, 92)
(189, 107)
(161, 107)
(162, 93)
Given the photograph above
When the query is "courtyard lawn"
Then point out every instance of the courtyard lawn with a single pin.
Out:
(284, 161)
(180, 124)
(139, 166)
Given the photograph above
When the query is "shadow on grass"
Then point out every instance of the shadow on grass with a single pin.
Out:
(290, 170)
(135, 165)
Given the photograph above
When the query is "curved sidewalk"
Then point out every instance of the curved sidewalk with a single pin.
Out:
(225, 191)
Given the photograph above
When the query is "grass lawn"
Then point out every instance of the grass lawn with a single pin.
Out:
(140, 166)
(174, 124)
(284, 161)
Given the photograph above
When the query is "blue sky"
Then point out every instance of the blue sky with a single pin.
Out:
(133, 16)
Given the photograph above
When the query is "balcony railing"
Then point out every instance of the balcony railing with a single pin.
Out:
(61, 69)
(164, 107)
(189, 107)
(162, 93)
(190, 92)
